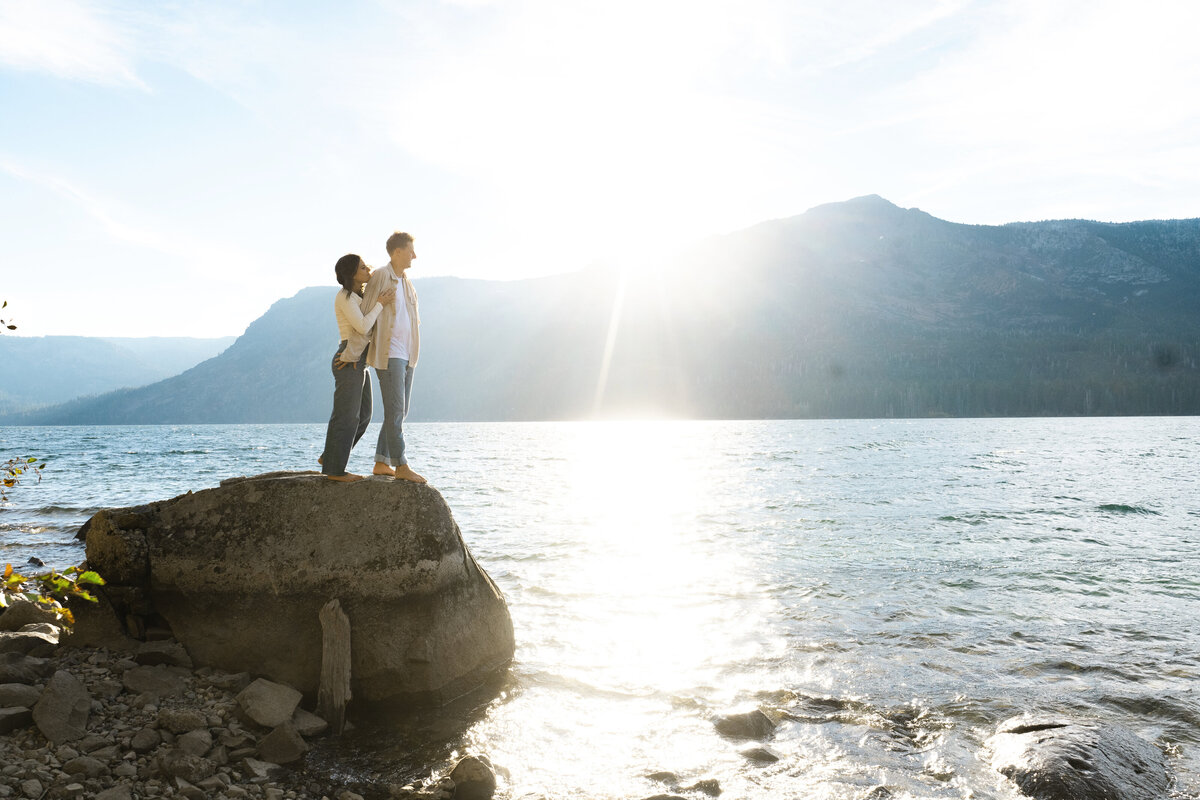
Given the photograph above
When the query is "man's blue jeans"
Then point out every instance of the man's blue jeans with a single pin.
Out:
(351, 412)
(395, 387)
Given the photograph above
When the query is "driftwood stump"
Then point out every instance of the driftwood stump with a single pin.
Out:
(335, 665)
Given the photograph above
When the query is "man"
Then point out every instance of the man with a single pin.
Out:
(395, 344)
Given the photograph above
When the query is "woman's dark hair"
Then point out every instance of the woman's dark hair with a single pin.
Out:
(345, 269)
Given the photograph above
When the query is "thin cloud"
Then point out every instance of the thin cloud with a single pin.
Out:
(69, 39)
(852, 36)
(115, 221)
(1071, 74)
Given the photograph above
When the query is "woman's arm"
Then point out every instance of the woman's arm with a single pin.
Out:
(352, 313)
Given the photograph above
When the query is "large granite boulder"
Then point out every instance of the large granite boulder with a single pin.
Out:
(1054, 758)
(240, 573)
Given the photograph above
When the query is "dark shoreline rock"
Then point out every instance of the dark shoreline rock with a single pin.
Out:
(1055, 758)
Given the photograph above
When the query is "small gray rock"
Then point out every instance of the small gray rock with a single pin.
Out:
(157, 681)
(18, 694)
(62, 712)
(38, 645)
(110, 753)
(214, 784)
(15, 719)
(145, 740)
(85, 765)
(21, 612)
(122, 792)
(167, 651)
(20, 668)
(219, 755)
(261, 770)
(177, 764)
(268, 703)
(282, 745)
(91, 742)
(308, 724)
(196, 743)
(186, 789)
(109, 690)
(230, 682)
(181, 720)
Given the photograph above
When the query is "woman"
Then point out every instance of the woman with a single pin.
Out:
(351, 384)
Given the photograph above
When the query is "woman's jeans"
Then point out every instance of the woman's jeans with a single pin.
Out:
(395, 387)
(351, 412)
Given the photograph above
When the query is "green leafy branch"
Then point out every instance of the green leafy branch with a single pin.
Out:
(50, 590)
(13, 469)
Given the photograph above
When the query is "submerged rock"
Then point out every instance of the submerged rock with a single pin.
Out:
(473, 779)
(754, 724)
(762, 755)
(240, 573)
(1053, 758)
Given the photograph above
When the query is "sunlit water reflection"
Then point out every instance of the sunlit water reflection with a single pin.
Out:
(894, 588)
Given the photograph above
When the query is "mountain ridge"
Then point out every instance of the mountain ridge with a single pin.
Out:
(857, 309)
(46, 370)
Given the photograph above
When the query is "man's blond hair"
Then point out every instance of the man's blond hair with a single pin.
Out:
(398, 240)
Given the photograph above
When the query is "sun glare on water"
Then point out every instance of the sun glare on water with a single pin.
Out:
(639, 490)
(636, 621)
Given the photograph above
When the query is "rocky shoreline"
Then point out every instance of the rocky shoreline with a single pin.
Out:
(91, 722)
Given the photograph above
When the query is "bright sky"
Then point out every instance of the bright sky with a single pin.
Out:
(172, 169)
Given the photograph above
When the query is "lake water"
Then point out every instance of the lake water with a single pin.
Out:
(899, 587)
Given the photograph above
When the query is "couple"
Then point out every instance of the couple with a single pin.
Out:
(379, 326)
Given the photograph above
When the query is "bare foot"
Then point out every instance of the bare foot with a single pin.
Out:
(383, 469)
(321, 460)
(405, 473)
(349, 477)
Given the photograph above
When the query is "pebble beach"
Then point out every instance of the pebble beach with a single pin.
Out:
(90, 722)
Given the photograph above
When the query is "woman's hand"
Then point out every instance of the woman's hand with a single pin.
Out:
(388, 297)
